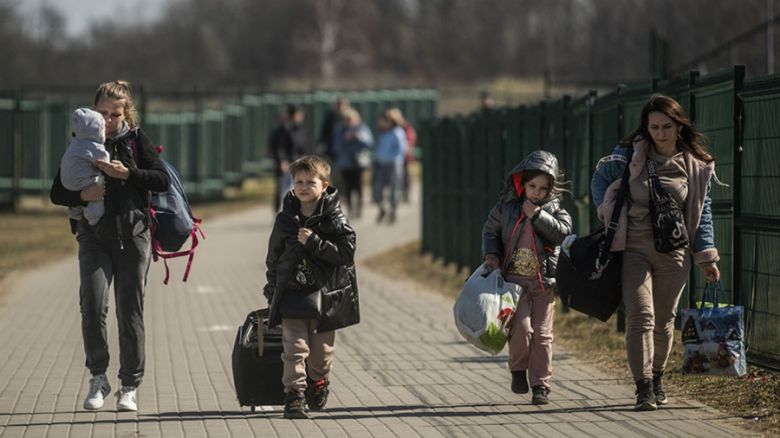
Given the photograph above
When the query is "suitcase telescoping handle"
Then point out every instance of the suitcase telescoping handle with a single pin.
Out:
(260, 334)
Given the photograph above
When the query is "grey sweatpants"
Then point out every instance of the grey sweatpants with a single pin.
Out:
(101, 262)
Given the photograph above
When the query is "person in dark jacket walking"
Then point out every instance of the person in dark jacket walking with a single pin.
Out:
(287, 142)
(311, 250)
(522, 237)
(329, 133)
(118, 247)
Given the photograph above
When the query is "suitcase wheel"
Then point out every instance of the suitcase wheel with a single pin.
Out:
(252, 408)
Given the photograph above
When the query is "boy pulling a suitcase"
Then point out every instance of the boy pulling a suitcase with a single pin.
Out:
(312, 287)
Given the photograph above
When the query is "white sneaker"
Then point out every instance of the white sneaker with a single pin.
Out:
(127, 399)
(98, 390)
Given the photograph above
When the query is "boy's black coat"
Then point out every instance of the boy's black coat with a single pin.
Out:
(330, 251)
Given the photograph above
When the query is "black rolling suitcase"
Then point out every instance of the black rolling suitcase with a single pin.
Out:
(257, 362)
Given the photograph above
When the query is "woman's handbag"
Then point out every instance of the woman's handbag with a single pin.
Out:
(302, 297)
(363, 158)
(669, 231)
(589, 277)
(713, 336)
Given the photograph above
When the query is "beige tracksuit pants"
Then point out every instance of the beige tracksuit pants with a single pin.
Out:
(306, 353)
(652, 285)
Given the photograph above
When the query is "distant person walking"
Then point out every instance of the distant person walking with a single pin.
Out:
(287, 143)
(117, 248)
(329, 132)
(666, 157)
(388, 164)
(353, 157)
(486, 101)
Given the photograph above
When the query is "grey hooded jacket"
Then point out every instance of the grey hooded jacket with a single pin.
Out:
(551, 225)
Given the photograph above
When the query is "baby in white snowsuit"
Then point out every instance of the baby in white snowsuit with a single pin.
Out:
(77, 168)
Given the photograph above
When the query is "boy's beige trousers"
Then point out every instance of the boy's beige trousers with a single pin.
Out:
(306, 353)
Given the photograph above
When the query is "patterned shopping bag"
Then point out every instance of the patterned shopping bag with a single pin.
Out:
(713, 336)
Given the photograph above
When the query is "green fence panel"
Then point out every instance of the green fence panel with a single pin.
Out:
(211, 141)
(758, 227)
(59, 115)
(34, 144)
(633, 99)
(532, 129)
(577, 162)
(679, 89)
(606, 131)
(210, 147)
(7, 150)
(554, 125)
(512, 125)
(714, 98)
(425, 139)
(759, 284)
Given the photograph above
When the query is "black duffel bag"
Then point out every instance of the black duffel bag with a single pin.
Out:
(583, 285)
(589, 277)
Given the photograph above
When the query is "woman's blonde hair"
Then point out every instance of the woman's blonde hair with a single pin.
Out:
(351, 114)
(120, 90)
(396, 116)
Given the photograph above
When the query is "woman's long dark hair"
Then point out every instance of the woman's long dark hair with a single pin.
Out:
(689, 139)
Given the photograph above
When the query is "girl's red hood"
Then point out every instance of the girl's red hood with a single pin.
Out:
(517, 181)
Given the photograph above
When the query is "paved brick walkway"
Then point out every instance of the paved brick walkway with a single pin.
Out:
(402, 372)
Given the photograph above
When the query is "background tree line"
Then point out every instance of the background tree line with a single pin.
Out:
(253, 44)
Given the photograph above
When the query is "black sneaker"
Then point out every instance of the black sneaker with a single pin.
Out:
(540, 395)
(658, 389)
(645, 398)
(293, 406)
(519, 382)
(317, 394)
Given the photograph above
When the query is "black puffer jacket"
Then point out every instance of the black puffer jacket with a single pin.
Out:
(551, 225)
(330, 252)
(126, 202)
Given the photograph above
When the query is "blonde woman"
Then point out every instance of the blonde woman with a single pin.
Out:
(388, 164)
(353, 156)
(117, 248)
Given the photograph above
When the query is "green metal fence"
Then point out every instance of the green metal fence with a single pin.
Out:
(741, 119)
(213, 145)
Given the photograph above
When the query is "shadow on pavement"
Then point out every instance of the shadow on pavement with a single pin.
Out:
(345, 413)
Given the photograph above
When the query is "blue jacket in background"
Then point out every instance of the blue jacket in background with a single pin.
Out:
(391, 146)
(347, 151)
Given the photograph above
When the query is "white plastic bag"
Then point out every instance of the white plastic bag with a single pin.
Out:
(484, 309)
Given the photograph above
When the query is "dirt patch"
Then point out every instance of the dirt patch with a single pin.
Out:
(755, 397)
